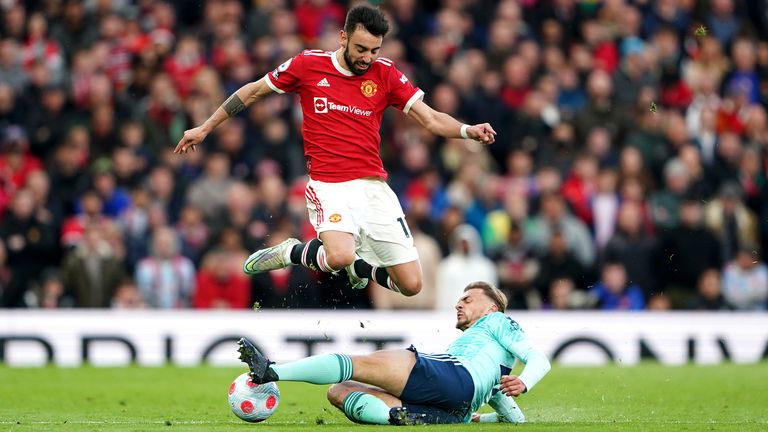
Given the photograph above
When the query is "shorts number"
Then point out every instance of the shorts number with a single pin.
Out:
(405, 228)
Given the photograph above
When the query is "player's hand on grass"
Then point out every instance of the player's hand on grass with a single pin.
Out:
(483, 133)
(511, 385)
(190, 140)
(475, 418)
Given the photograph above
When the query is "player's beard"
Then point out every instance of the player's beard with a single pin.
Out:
(461, 323)
(351, 63)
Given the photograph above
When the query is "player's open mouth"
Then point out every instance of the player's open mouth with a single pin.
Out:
(362, 65)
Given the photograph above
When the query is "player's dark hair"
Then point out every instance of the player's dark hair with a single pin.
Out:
(496, 295)
(371, 18)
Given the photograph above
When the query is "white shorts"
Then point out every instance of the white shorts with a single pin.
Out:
(369, 210)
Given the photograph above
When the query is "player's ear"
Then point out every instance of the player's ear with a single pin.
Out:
(342, 38)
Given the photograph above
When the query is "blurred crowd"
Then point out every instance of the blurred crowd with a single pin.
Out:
(629, 171)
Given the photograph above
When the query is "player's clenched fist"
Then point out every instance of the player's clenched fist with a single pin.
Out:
(482, 132)
(190, 140)
(511, 385)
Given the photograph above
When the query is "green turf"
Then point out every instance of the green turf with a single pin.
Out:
(644, 398)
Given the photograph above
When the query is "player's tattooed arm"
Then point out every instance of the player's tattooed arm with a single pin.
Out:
(238, 101)
(233, 105)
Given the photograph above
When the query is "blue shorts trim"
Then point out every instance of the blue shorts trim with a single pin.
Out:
(440, 387)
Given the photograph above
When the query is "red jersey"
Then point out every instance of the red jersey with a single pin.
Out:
(342, 111)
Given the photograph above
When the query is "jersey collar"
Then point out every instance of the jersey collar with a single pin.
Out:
(338, 66)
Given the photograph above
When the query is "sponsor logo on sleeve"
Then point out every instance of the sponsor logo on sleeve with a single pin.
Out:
(282, 68)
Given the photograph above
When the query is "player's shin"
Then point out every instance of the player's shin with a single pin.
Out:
(379, 274)
(311, 255)
(365, 408)
(319, 369)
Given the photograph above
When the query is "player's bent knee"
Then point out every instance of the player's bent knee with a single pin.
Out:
(410, 286)
(339, 259)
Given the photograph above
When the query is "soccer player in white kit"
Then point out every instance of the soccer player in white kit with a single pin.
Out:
(407, 387)
(355, 213)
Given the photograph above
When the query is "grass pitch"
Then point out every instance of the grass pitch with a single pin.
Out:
(644, 398)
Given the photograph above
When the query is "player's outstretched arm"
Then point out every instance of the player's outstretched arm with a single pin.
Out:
(444, 125)
(244, 97)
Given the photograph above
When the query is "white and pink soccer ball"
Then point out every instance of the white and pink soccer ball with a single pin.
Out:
(253, 402)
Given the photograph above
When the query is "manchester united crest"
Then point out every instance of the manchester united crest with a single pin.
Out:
(335, 218)
(369, 88)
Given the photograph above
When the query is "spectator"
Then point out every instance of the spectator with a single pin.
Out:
(563, 295)
(16, 163)
(725, 167)
(554, 217)
(315, 17)
(659, 302)
(209, 192)
(465, 263)
(115, 198)
(76, 30)
(700, 184)
(52, 293)
(165, 278)
(686, 251)
(579, 187)
(39, 48)
(91, 272)
(49, 120)
(745, 281)
(516, 265)
(731, 221)
(633, 73)
(193, 233)
(558, 263)
(665, 204)
(752, 178)
(706, 101)
(633, 248)
(165, 192)
(605, 207)
(221, 283)
(74, 227)
(615, 292)
(68, 174)
(26, 238)
(709, 293)
(600, 110)
(186, 61)
(743, 77)
(710, 64)
(127, 296)
(11, 71)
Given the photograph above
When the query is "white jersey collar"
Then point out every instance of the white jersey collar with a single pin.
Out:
(338, 66)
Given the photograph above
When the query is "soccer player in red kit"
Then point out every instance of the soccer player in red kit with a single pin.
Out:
(343, 95)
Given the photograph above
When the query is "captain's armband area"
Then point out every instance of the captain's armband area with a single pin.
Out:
(233, 105)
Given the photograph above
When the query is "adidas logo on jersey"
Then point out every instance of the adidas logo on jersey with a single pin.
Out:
(323, 83)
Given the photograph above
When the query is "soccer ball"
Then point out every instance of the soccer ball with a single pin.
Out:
(253, 402)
